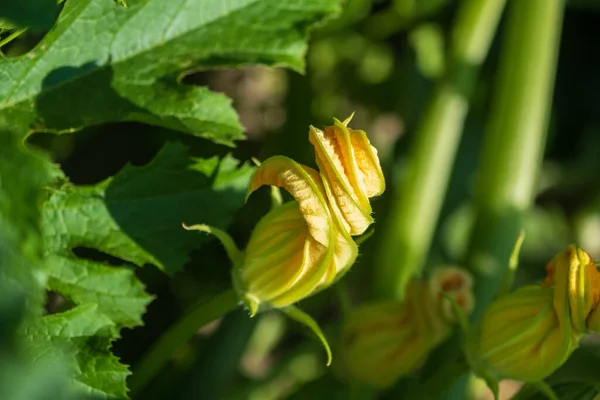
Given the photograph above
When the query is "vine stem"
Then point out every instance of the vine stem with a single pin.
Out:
(513, 148)
(515, 141)
(11, 37)
(416, 204)
(181, 331)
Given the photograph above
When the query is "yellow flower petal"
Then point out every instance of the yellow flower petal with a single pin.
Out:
(351, 173)
(576, 281)
(301, 182)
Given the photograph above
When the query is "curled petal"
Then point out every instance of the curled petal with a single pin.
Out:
(304, 185)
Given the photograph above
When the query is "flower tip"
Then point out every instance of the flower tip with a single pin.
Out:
(197, 227)
(251, 190)
(251, 304)
(347, 120)
(255, 161)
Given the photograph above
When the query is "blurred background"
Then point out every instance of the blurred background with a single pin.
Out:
(381, 60)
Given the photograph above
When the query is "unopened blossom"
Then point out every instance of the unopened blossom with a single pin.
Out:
(351, 173)
(384, 341)
(305, 245)
(527, 334)
(298, 247)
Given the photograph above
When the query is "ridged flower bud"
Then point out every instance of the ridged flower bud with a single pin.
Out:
(303, 246)
(298, 247)
(351, 173)
(529, 333)
(384, 341)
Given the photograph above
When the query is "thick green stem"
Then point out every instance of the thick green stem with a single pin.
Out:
(514, 146)
(416, 204)
(160, 353)
(515, 140)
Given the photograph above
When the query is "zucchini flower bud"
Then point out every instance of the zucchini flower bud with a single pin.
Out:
(305, 245)
(386, 340)
(297, 248)
(529, 333)
(351, 173)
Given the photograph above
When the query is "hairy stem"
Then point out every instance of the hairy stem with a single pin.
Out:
(183, 329)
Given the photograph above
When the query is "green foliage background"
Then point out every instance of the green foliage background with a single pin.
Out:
(118, 123)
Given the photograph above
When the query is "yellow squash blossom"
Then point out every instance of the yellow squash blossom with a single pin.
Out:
(384, 341)
(351, 173)
(529, 333)
(297, 247)
(303, 246)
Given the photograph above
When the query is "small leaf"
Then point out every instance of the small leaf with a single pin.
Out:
(84, 335)
(300, 316)
(120, 215)
(117, 292)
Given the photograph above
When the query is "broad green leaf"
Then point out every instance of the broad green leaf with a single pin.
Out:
(35, 14)
(137, 214)
(20, 379)
(117, 292)
(22, 175)
(103, 62)
(84, 335)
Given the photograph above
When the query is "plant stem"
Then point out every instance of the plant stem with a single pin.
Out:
(11, 37)
(513, 148)
(515, 141)
(215, 370)
(416, 204)
(183, 329)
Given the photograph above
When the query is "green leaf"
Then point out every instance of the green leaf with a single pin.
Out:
(35, 14)
(137, 214)
(6, 25)
(22, 174)
(132, 60)
(20, 379)
(84, 334)
(117, 292)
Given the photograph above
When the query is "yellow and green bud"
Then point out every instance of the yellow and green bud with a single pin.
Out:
(527, 334)
(351, 173)
(384, 341)
(303, 246)
(298, 247)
